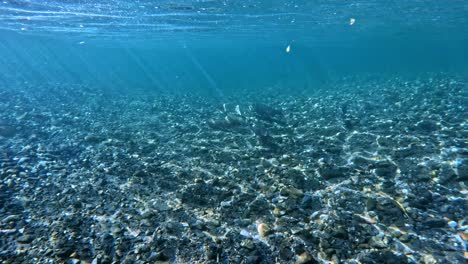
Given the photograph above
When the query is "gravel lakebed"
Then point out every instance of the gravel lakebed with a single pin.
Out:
(360, 172)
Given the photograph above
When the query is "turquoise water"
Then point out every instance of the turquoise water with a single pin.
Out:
(230, 131)
(227, 45)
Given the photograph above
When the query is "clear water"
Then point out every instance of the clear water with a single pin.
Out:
(227, 45)
(233, 131)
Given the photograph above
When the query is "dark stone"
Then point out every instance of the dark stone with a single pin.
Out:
(435, 223)
(85, 252)
(389, 212)
(163, 255)
(446, 174)
(268, 142)
(311, 202)
(139, 173)
(405, 152)
(462, 172)
(330, 172)
(385, 168)
(382, 257)
(361, 162)
(285, 253)
(351, 124)
(340, 232)
(64, 248)
(199, 194)
(63, 252)
(423, 200)
(427, 126)
(268, 113)
(212, 252)
(77, 205)
(259, 206)
(107, 243)
(25, 239)
(371, 204)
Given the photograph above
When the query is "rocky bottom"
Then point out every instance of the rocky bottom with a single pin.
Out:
(365, 171)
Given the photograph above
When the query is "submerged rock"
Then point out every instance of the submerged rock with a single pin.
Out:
(383, 256)
(330, 172)
(269, 114)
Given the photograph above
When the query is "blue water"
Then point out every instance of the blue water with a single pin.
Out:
(222, 46)
(230, 131)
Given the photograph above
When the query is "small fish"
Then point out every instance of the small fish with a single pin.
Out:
(288, 49)
(352, 21)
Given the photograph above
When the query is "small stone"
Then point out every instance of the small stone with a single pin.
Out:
(93, 139)
(130, 258)
(427, 126)
(263, 229)
(139, 173)
(212, 252)
(25, 239)
(11, 218)
(362, 162)
(383, 256)
(164, 255)
(247, 243)
(376, 242)
(340, 232)
(226, 203)
(405, 237)
(371, 204)
(462, 172)
(305, 258)
(291, 192)
(278, 211)
(245, 233)
(285, 253)
(429, 259)
(395, 232)
(385, 169)
(331, 172)
(435, 223)
(452, 224)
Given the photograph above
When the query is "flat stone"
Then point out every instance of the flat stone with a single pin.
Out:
(25, 239)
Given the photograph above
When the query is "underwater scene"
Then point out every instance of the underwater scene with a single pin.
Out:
(234, 131)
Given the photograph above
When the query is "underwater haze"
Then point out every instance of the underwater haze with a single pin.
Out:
(233, 131)
(227, 45)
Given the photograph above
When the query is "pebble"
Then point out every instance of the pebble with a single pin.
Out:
(25, 239)
(452, 224)
(339, 176)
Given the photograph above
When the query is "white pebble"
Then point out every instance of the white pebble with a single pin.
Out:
(245, 233)
(452, 224)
